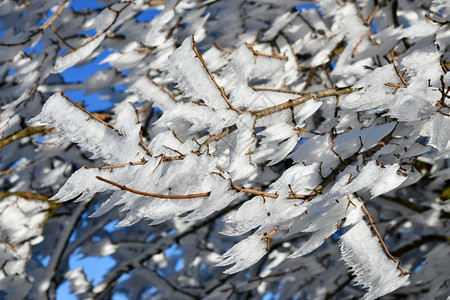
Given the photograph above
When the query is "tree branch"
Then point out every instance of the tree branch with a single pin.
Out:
(125, 188)
(27, 131)
(221, 89)
(294, 102)
(55, 15)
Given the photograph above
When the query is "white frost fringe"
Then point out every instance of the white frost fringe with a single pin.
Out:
(363, 254)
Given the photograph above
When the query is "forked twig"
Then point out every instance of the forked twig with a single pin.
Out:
(104, 31)
(267, 236)
(401, 76)
(256, 53)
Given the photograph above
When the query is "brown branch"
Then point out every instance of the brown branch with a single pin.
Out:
(257, 89)
(436, 21)
(389, 255)
(59, 36)
(310, 77)
(221, 89)
(301, 129)
(372, 14)
(91, 116)
(357, 45)
(261, 193)
(131, 163)
(104, 31)
(174, 150)
(162, 88)
(141, 137)
(401, 76)
(327, 73)
(222, 49)
(332, 147)
(225, 132)
(155, 2)
(299, 67)
(294, 102)
(252, 191)
(27, 131)
(443, 113)
(25, 195)
(249, 46)
(125, 188)
(55, 15)
(177, 137)
(12, 170)
(267, 236)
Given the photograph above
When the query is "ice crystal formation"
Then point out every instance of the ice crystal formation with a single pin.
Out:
(286, 149)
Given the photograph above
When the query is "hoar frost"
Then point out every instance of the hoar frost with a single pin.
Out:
(253, 147)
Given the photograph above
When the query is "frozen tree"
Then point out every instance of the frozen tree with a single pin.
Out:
(287, 149)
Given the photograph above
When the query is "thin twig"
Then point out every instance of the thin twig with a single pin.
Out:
(155, 2)
(267, 236)
(310, 77)
(221, 89)
(357, 44)
(436, 21)
(27, 131)
(177, 137)
(162, 88)
(389, 255)
(125, 188)
(299, 67)
(258, 89)
(60, 37)
(104, 31)
(222, 49)
(401, 76)
(294, 102)
(91, 116)
(55, 15)
(345, 163)
(261, 193)
(141, 136)
(264, 54)
(131, 163)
